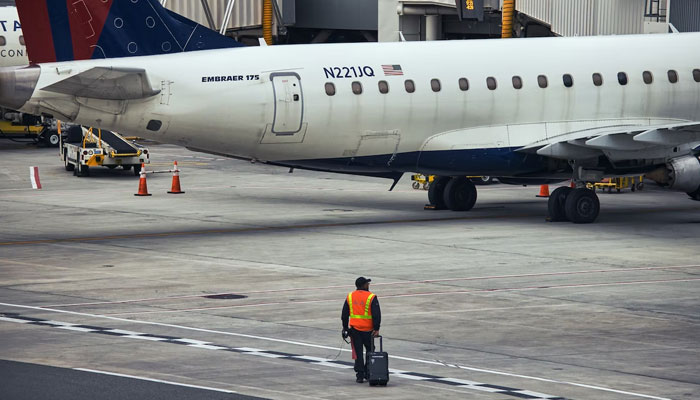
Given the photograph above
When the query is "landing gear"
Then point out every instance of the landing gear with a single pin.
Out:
(436, 192)
(456, 194)
(459, 194)
(580, 206)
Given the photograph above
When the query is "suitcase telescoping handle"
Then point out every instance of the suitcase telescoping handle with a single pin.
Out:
(381, 343)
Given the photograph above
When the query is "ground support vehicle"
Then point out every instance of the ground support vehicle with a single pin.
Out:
(634, 183)
(424, 181)
(83, 148)
(23, 127)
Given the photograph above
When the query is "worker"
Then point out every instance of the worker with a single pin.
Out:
(361, 318)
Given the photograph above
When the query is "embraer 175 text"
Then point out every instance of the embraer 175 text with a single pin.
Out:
(524, 110)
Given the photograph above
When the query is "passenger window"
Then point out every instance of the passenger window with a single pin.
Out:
(383, 87)
(491, 83)
(568, 80)
(357, 87)
(464, 84)
(672, 76)
(597, 79)
(2, 41)
(542, 81)
(330, 89)
(517, 82)
(622, 78)
(648, 77)
(696, 75)
(21, 40)
(410, 86)
(435, 85)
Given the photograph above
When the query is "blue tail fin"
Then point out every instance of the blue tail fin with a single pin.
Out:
(64, 30)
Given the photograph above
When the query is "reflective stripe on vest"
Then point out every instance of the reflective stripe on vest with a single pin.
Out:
(357, 320)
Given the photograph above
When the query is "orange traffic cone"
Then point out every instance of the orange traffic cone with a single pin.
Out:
(544, 191)
(143, 189)
(175, 189)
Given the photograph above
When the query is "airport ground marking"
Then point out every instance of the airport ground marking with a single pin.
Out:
(399, 283)
(142, 378)
(256, 352)
(312, 345)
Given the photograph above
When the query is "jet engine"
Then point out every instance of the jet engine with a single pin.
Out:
(681, 174)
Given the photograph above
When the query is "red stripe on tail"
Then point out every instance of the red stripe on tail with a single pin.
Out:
(87, 18)
(36, 28)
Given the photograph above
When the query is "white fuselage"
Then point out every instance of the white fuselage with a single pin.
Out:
(12, 49)
(239, 114)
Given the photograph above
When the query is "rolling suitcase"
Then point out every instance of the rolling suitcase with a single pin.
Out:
(378, 365)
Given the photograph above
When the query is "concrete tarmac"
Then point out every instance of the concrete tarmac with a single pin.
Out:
(237, 285)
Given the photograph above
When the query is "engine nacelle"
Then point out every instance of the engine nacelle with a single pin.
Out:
(681, 174)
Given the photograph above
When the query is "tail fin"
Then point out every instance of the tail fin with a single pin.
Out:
(64, 30)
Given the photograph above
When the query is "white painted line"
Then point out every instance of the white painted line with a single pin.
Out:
(76, 328)
(20, 321)
(207, 346)
(411, 377)
(535, 394)
(263, 354)
(191, 341)
(34, 176)
(141, 378)
(123, 332)
(461, 381)
(151, 338)
(334, 365)
(291, 342)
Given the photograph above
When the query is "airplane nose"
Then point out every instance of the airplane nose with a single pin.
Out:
(17, 85)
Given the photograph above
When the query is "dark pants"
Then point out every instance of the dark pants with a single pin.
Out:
(359, 340)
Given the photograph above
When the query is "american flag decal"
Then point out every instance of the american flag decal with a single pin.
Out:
(394, 69)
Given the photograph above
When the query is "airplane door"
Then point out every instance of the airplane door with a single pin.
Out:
(289, 103)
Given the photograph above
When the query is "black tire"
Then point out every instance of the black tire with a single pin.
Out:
(556, 203)
(52, 138)
(68, 165)
(460, 194)
(126, 167)
(83, 170)
(582, 206)
(137, 170)
(436, 192)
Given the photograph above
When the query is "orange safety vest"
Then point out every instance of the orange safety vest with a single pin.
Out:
(359, 304)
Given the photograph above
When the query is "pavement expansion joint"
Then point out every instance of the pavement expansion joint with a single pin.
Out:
(458, 383)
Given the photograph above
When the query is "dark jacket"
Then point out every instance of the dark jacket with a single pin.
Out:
(376, 314)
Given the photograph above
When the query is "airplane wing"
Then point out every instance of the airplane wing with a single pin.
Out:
(617, 142)
(107, 83)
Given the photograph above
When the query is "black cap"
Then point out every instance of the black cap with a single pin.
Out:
(359, 282)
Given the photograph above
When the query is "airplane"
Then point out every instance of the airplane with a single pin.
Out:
(12, 49)
(527, 111)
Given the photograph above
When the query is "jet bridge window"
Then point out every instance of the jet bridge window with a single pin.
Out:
(696, 75)
(383, 87)
(357, 87)
(672, 76)
(622, 78)
(491, 83)
(568, 80)
(542, 81)
(598, 79)
(410, 86)
(330, 89)
(648, 77)
(517, 82)
(3, 41)
(435, 85)
(21, 40)
(463, 84)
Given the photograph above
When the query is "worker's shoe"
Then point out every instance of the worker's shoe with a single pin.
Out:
(359, 379)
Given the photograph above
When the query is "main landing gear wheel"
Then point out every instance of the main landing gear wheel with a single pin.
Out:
(436, 192)
(556, 203)
(582, 206)
(459, 194)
